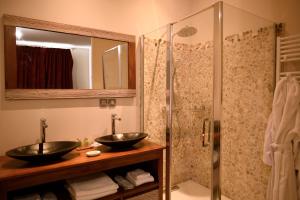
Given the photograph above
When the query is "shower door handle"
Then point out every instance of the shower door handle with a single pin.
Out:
(204, 143)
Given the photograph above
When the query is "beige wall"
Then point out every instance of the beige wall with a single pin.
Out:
(71, 119)
(286, 11)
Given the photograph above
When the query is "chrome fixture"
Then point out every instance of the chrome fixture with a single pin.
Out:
(43, 124)
(113, 123)
(204, 143)
(187, 31)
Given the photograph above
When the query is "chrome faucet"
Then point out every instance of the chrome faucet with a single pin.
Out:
(113, 123)
(43, 124)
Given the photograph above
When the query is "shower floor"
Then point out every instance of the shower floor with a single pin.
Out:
(191, 190)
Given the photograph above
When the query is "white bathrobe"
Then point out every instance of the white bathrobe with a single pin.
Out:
(282, 135)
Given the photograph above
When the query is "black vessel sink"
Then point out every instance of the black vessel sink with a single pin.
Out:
(121, 140)
(47, 151)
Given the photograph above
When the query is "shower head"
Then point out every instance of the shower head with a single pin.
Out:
(186, 31)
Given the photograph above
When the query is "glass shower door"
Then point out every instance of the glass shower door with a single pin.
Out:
(181, 100)
(196, 73)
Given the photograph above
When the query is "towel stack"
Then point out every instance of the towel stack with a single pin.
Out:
(34, 196)
(138, 177)
(91, 187)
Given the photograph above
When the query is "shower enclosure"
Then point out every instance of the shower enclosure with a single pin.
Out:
(204, 79)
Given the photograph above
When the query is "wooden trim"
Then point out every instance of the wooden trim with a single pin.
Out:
(11, 20)
(10, 57)
(131, 66)
(160, 170)
(18, 94)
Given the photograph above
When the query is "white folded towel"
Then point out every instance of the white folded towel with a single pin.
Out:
(33, 196)
(49, 196)
(80, 194)
(94, 196)
(139, 174)
(140, 181)
(92, 184)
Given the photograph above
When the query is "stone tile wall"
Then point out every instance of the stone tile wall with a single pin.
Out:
(248, 82)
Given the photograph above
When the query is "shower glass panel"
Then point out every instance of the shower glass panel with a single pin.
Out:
(155, 98)
(193, 63)
(155, 50)
(248, 84)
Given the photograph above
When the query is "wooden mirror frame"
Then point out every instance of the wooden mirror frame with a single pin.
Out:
(10, 22)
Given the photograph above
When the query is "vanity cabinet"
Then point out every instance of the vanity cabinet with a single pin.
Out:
(18, 175)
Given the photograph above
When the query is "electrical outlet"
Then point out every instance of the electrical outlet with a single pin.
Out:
(112, 102)
(103, 102)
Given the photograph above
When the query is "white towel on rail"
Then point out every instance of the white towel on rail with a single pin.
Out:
(274, 119)
(281, 133)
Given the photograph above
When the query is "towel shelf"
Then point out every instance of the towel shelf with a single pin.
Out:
(16, 175)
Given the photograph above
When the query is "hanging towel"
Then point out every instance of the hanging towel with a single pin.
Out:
(281, 133)
(278, 103)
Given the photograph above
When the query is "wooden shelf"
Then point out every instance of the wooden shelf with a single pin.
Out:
(16, 175)
(121, 194)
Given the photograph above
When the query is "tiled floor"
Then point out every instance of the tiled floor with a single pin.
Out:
(191, 190)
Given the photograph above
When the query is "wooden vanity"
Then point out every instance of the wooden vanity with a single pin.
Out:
(18, 175)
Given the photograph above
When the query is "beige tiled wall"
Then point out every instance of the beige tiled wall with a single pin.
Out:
(248, 83)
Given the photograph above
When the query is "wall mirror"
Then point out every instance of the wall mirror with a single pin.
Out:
(45, 60)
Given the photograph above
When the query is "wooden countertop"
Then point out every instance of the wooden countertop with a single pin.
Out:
(11, 168)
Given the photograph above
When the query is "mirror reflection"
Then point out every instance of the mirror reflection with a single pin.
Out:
(52, 60)
(115, 67)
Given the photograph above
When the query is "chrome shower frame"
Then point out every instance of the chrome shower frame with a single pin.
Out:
(217, 102)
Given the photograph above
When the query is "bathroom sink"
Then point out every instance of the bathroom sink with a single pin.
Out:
(121, 140)
(43, 151)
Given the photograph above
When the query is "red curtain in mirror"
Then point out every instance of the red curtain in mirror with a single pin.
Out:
(44, 68)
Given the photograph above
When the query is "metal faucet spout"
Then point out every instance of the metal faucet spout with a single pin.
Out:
(43, 124)
(113, 123)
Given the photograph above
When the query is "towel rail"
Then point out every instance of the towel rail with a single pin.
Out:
(290, 37)
(288, 50)
(287, 42)
(290, 46)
